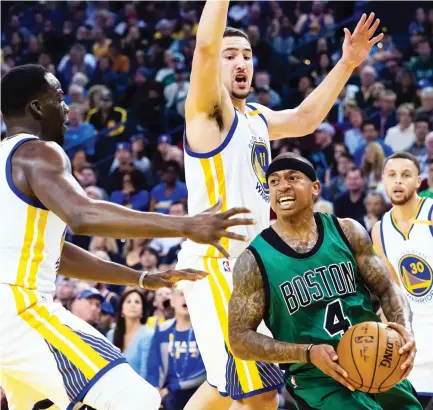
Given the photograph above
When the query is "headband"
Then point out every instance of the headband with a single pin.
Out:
(283, 164)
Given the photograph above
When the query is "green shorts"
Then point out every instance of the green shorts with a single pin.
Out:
(313, 389)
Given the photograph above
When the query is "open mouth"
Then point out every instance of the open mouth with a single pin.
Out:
(241, 79)
(398, 191)
(286, 200)
(184, 305)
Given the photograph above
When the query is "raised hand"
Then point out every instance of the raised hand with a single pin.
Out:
(210, 226)
(168, 278)
(357, 45)
(325, 358)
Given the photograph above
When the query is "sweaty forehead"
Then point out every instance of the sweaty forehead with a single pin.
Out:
(53, 82)
(240, 43)
(400, 164)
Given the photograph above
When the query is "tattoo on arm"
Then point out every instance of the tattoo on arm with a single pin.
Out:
(246, 311)
(376, 276)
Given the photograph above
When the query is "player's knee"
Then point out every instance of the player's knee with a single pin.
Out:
(264, 401)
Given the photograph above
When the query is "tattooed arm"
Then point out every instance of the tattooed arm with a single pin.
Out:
(373, 270)
(246, 311)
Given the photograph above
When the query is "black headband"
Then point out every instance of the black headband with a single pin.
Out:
(283, 164)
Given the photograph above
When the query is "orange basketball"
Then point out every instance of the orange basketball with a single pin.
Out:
(369, 354)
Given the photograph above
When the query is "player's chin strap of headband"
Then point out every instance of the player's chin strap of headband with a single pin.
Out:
(283, 164)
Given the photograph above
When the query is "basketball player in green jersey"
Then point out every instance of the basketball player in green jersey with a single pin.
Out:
(308, 277)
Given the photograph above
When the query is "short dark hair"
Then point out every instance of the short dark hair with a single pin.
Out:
(422, 118)
(368, 122)
(150, 250)
(19, 86)
(171, 164)
(354, 169)
(403, 155)
(235, 32)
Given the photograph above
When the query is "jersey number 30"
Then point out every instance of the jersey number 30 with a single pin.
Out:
(335, 321)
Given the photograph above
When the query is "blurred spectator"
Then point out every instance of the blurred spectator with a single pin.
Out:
(384, 51)
(31, 54)
(402, 136)
(76, 96)
(417, 25)
(107, 321)
(335, 186)
(351, 203)
(364, 97)
(324, 66)
(175, 93)
(426, 108)
(160, 303)
(429, 191)
(65, 291)
(79, 161)
(108, 115)
(422, 66)
(95, 94)
(44, 60)
(132, 251)
(131, 335)
(421, 130)
(428, 155)
(131, 195)
(107, 245)
(372, 165)
(310, 25)
(386, 117)
(166, 151)
(87, 306)
(375, 207)
(406, 89)
(282, 35)
(120, 62)
(104, 73)
(165, 75)
(324, 156)
(353, 137)
(171, 190)
(322, 205)
(79, 135)
(101, 43)
(87, 177)
(95, 193)
(175, 366)
(139, 159)
(262, 49)
(263, 81)
(163, 245)
(371, 134)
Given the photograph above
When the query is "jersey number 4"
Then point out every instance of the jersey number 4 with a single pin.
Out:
(335, 321)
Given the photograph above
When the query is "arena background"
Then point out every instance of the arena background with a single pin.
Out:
(124, 67)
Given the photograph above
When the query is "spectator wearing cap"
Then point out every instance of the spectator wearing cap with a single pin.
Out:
(130, 334)
(131, 196)
(371, 134)
(124, 165)
(422, 128)
(87, 306)
(426, 108)
(386, 117)
(170, 191)
(402, 136)
(166, 151)
(79, 135)
(108, 116)
(175, 95)
(263, 81)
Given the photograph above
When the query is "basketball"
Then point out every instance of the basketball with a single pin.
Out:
(369, 354)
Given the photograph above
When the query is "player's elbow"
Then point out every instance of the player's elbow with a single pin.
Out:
(81, 220)
(237, 345)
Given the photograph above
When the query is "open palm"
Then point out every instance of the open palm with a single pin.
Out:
(357, 45)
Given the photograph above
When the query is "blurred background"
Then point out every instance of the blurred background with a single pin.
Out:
(125, 66)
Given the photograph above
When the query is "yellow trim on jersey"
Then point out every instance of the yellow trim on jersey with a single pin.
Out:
(418, 221)
(394, 221)
(38, 248)
(208, 179)
(219, 171)
(254, 112)
(25, 250)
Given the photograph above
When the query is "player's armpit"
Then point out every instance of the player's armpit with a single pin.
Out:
(376, 275)
(246, 311)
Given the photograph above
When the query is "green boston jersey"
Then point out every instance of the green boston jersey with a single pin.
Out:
(316, 296)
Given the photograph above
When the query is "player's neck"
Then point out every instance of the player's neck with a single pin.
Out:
(299, 225)
(23, 126)
(407, 211)
(239, 104)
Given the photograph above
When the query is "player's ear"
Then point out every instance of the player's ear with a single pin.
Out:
(35, 108)
(316, 188)
(418, 181)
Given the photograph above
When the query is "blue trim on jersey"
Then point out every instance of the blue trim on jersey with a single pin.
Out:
(223, 394)
(30, 201)
(395, 227)
(92, 382)
(260, 115)
(382, 238)
(424, 394)
(217, 150)
(430, 214)
(257, 392)
(423, 200)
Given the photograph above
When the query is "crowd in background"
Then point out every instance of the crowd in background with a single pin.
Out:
(125, 67)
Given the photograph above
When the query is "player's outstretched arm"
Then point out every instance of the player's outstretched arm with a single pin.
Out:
(246, 311)
(375, 274)
(78, 263)
(48, 172)
(307, 117)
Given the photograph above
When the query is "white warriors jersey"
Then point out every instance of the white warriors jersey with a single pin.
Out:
(234, 171)
(411, 255)
(31, 237)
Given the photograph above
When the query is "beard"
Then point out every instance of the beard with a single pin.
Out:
(407, 197)
(240, 95)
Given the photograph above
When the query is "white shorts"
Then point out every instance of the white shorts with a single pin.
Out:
(208, 301)
(48, 353)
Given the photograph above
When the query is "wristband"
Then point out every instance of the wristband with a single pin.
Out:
(142, 276)
(308, 352)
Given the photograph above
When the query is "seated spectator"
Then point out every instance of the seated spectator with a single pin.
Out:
(428, 155)
(130, 334)
(163, 245)
(79, 161)
(139, 159)
(370, 133)
(161, 302)
(95, 193)
(386, 52)
(426, 108)
(375, 207)
(324, 66)
(107, 115)
(170, 191)
(108, 318)
(323, 157)
(353, 137)
(101, 43)
(87, 176)
(418, 24)
(165, 75)
(322, 205)
(422, 128)
(429, 191)
(131, 195)
(351, 203)
(87, 306)
(104, 73)
(364, 97)
(263, 81)
(76, 96)
(386, 117)
(132, 251)
(108, 245)
(406, 89)
(120, 62)
(310, 25)
(335, 187)
(79, 135)
(175, 366)
(166, 151)
(95, 94)
(65, 291)
(372, 165)
(175, 93)
(422, 66)
(402, 136)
